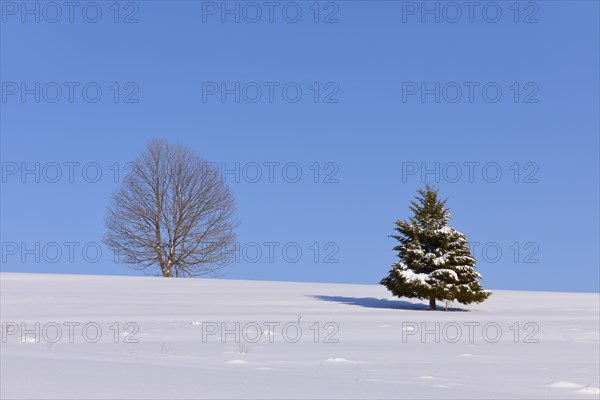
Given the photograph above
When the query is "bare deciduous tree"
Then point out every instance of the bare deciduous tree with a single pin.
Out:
(172, 212)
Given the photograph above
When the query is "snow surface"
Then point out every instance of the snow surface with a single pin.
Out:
(369, 360)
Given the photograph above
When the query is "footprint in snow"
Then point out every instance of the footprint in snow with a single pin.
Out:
(28, 339)
(466, 355)
(425, 377)
(195, 323)
(237, 362)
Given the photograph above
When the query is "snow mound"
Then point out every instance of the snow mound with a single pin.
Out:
(565, 385)
(589, 390)
(237, 362)
(337, 359)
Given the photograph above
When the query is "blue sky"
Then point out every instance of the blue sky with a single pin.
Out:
(390, 91)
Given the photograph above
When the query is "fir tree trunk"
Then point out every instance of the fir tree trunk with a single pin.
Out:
(432, 305)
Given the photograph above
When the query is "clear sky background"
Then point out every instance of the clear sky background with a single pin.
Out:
(533, 228)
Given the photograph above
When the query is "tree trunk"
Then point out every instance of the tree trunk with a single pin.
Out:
(432, 305)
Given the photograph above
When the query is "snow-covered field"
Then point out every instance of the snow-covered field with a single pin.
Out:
(137, 337)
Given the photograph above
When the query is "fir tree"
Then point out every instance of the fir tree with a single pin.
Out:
(435, 260)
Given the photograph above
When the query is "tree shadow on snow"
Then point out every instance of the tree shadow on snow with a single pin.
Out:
(371, 302)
